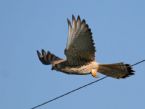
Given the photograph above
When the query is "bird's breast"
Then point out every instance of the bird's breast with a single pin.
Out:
(80, 70)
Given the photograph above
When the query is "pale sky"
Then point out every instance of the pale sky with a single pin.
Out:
(118, 28)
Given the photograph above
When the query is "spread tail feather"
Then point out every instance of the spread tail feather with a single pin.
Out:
(117, 70)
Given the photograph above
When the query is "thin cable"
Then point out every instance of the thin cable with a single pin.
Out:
(138, 63)
(69, 92)
(78, 88)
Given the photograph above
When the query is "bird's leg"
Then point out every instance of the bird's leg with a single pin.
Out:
(94, 72)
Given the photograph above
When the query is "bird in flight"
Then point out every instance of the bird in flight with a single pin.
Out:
(80, 55)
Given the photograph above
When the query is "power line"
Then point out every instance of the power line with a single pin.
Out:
(138, 63)
(78, 88)
(69, 92)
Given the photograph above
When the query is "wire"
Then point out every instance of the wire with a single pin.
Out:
(69, 92)
(78, 88)
(138, 63)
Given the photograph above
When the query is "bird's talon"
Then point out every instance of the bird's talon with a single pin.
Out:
(94, 73)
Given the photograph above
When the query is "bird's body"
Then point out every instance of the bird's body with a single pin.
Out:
(78, 70)
(80, 55)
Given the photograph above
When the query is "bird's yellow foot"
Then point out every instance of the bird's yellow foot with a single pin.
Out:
(94, 73)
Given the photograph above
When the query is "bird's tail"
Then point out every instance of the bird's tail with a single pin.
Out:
(47, 57)
(117, 70)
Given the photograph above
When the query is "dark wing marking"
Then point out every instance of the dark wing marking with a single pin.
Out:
(47, 57)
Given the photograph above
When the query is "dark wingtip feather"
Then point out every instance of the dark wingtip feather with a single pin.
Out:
(129, 70)
(38, 53)
(43, 52)
(42, 56)
(46, 58)
(83, 21)
(69, 23)
(73, 18)
(78, 18)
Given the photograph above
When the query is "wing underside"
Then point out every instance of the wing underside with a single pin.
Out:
(80, 47)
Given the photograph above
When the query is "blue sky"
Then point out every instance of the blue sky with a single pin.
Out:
(118, 28)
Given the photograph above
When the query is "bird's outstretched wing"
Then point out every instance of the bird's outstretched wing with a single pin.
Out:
(47, 58)
(80, 47)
